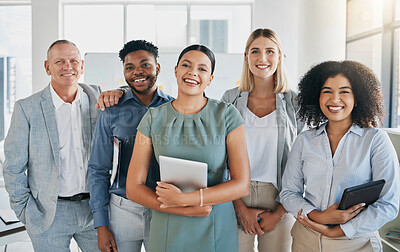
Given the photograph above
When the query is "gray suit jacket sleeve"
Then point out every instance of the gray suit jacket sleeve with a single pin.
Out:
(16, 153)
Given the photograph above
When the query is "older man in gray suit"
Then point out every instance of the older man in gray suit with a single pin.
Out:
(47, 150)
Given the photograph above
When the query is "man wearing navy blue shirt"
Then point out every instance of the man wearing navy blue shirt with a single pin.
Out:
(121, 224)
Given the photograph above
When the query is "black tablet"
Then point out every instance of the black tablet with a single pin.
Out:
(366, 193)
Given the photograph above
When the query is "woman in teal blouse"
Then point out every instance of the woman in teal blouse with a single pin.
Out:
(197, 128)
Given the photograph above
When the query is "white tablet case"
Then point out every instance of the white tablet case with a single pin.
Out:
(187, 175)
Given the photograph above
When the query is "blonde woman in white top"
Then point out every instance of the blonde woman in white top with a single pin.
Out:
(269, 111)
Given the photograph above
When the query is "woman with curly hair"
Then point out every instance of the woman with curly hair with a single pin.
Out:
(343, 103)
(268, 108)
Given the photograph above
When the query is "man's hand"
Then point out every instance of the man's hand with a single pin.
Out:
(105, 240)
(109, 98)
(332, 215)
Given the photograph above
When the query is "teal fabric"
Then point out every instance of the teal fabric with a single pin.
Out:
(199, 137)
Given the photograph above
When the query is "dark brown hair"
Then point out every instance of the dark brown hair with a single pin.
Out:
(368, 110)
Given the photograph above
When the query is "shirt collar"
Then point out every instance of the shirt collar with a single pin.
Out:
(321, 129)
(354, 129)
(131, 95)
(357, 130)
(58, 102)
(161, 94)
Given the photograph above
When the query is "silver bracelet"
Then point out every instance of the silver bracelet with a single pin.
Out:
(278, 215)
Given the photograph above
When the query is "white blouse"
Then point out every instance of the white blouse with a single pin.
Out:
(262, 146)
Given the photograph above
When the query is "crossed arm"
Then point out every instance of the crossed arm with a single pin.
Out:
(318, 220)
(170, 199)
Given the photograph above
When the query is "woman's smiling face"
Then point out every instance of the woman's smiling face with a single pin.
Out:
(263, 57)
(193, 73)
(336, 99)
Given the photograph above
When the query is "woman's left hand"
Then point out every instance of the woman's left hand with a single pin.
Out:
(328, 231)
(169, 195)
(268, 220)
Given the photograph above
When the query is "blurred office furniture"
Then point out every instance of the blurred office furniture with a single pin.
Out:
(389, 245)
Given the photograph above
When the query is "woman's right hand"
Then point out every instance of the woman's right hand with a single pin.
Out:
(332, 215)
(332, 232)
(248, 220)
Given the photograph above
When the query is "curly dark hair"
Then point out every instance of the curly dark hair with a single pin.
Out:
(136, 45)
(368, 110)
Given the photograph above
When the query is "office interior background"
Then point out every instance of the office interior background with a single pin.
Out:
(311, 31)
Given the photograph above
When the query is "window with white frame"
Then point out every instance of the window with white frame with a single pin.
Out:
(15, 62)
(164, 25)
(373, 35)
(106, 26)
(224, 27)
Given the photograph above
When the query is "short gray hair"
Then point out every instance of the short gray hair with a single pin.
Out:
(61, 41)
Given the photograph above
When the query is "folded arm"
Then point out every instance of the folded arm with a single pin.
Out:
(384, 165)
(236, 188)
(137, 191)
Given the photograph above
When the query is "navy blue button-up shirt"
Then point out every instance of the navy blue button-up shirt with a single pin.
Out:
(118, 121)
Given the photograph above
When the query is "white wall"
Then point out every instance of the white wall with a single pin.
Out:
(322, 34)
(282, 17)
(311, 31)
(45, 30)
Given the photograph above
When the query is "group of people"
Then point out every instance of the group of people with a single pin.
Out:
(269, 177)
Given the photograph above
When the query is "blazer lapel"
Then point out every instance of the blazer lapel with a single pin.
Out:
(241, 102)
(282, 127)
(86, 119)
(51, 123)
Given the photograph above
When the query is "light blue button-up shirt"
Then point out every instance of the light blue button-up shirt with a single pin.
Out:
(362, 155)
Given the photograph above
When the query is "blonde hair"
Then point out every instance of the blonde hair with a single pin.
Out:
(280, 79)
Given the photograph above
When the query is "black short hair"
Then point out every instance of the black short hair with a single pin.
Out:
(136, 45)
(202, 49)
(368, 110)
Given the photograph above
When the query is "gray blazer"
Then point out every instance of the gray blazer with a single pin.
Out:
(288, 125)
(32, 151)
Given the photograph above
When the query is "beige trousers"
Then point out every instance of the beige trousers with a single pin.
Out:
(308, 240)
(262, 195)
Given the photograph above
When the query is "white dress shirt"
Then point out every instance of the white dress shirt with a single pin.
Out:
(73, 157)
